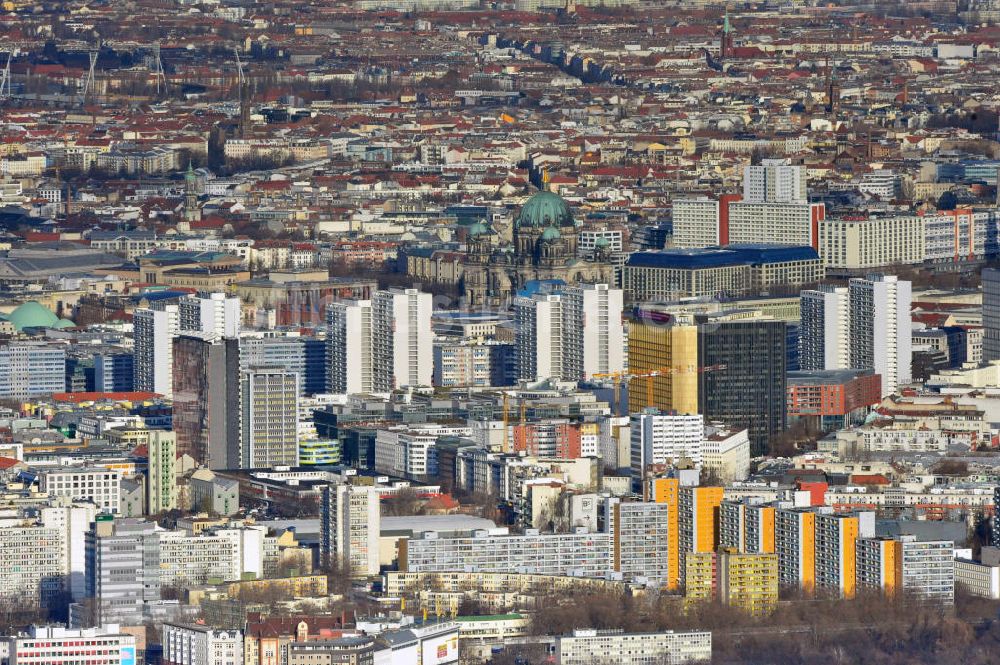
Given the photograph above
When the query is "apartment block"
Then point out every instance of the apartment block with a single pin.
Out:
(189, 644)
(161, 474)
(154, 331)
(30, 369)
(584, 554)
(746, 527)
(667, 491)
(925, 568)
(584, 647)
(748, 581)
(660, 438)
(825, 331)
(700, 576)
(210, 313)
(269, 422)
(795, 542)
(641, 540)
(33, 564)
(402, 339)
(698, 520)
(594, 334)
(349, 347)
(349, 527)
(836, 550)
(880, 328)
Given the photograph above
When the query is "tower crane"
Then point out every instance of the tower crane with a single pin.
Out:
(618, 378)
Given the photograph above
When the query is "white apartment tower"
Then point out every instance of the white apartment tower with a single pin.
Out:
(594, 336)
(154, 331)
(213, 313)
(349, 347)
(350, 520)
(662, 438)
(696, 222)
(571, 335)
(880, 328)
(539, 336)
(402, 339)
(824, 333)
(269, 423)
(774, 181)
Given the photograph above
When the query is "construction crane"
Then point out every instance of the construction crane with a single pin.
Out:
(618, 378)
(508, 442)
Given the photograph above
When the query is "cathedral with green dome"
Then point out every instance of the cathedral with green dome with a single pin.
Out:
(544, 247)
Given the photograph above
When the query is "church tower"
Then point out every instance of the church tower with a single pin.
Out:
(191, 211)
(726, 43)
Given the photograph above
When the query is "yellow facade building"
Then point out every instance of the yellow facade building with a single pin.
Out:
(700, 577)
(795, 530)
(667, 490)
(748, 581)
(836, 553)
(746, 528)
(653, 346)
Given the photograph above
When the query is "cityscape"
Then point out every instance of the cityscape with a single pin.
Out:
(504, 332)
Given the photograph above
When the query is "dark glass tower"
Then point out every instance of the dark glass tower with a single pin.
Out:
(750, 390)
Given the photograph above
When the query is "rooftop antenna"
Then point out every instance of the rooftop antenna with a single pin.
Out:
(88, 81)
(158, 73)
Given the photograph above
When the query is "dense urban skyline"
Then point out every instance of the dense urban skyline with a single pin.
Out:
(518, 332)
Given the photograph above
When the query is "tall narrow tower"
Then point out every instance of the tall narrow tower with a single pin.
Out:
(244, 91)
(191, 211)
(832, 89)
(726, 43)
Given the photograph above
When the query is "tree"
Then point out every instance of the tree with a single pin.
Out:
(947, 201)
(403, 503)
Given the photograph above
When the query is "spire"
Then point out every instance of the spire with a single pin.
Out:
(726, 28)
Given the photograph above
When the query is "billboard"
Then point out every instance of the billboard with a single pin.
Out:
(440, 649)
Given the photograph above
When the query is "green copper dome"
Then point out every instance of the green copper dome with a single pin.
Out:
(551, 233)
(545, 209)
(32, 315)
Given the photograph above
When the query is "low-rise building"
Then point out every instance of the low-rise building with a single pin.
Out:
(584, 647)
(45, 645)
(190, 644)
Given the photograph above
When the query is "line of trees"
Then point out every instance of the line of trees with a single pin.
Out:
(870, 629)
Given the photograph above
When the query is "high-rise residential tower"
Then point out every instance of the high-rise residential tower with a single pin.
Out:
(824, 332)
(880, 328)
(154, 331)
(349, 347)
(269, 423)
(402, 339)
